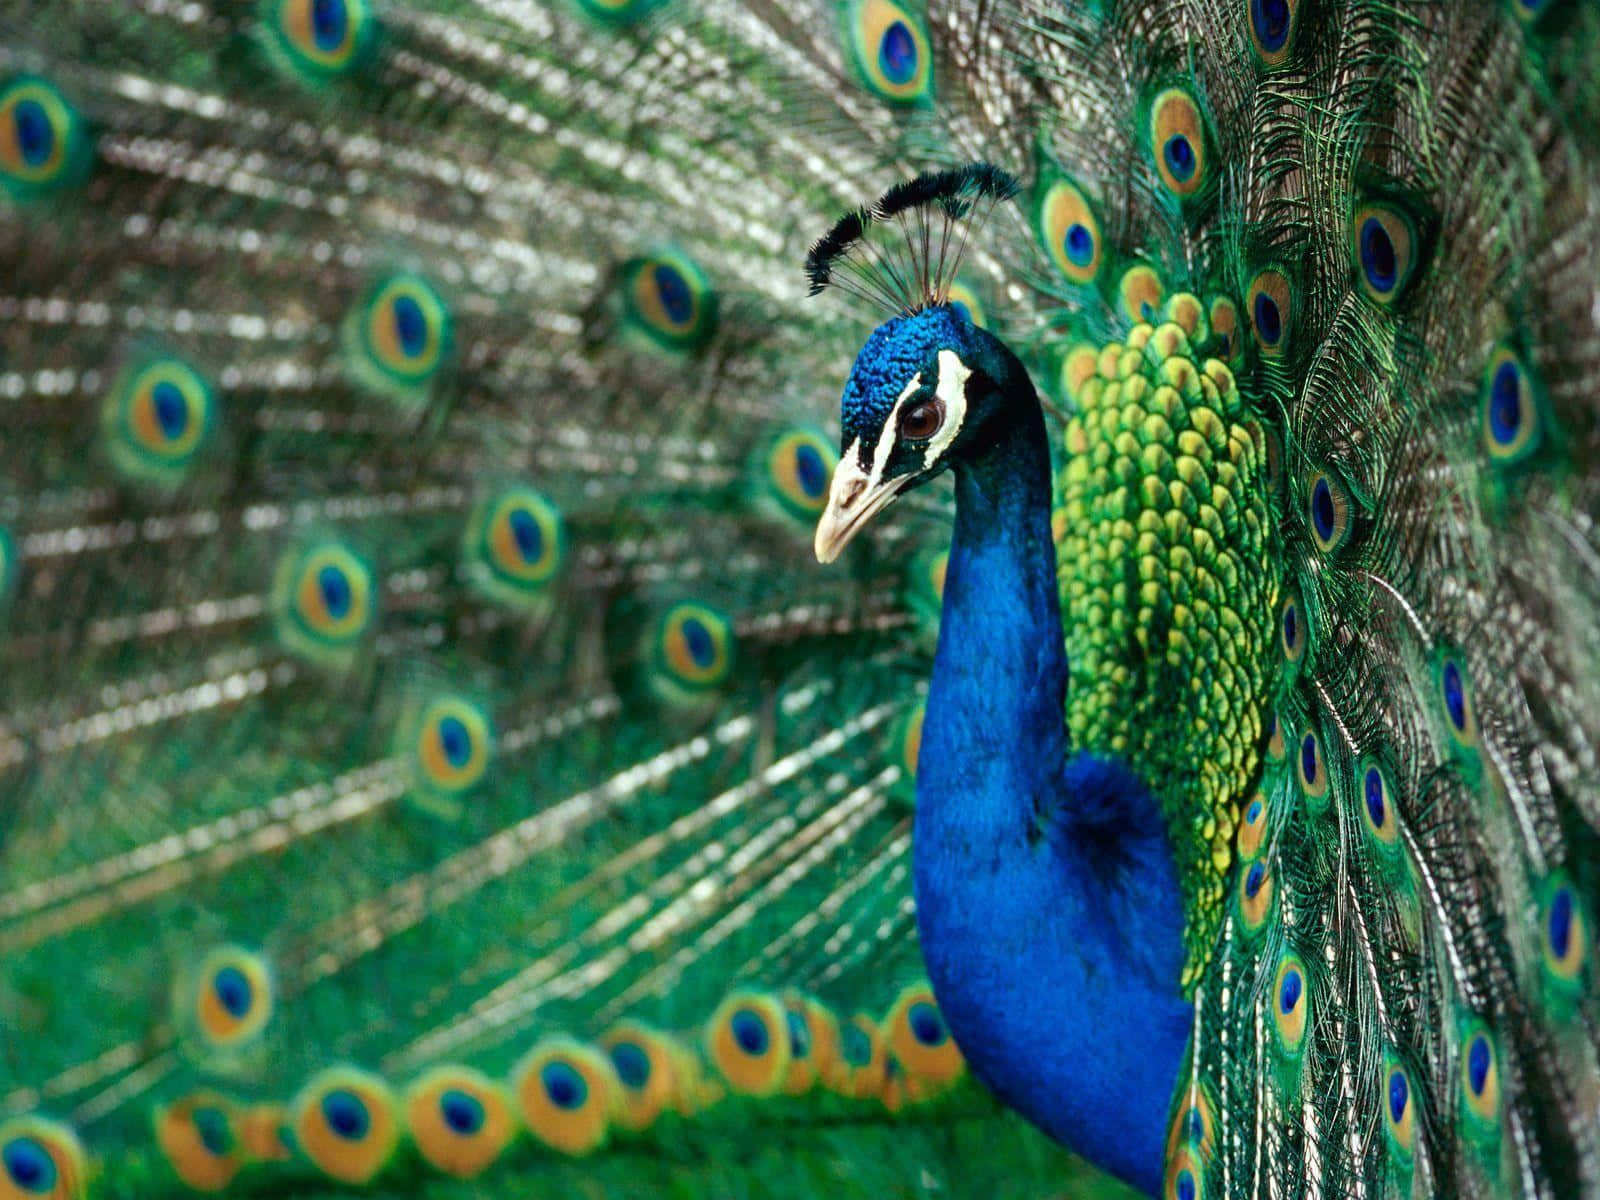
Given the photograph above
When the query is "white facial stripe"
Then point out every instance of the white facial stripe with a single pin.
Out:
(952, 391)
(890, 434)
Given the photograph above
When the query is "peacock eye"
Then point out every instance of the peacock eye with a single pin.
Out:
(922, 420)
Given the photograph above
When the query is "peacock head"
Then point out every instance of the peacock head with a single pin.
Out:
(929, 384)
(925, 388)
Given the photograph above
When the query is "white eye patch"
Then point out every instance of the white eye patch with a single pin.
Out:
(952, 393)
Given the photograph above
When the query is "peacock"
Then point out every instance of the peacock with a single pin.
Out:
(488, 705)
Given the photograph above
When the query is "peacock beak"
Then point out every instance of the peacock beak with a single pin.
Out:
(853, 500)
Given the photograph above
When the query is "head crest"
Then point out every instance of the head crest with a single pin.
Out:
(934, 213)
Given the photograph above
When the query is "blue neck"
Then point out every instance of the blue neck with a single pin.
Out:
(1049, 908)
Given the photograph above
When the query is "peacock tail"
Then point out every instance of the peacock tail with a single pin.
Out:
(432, 761)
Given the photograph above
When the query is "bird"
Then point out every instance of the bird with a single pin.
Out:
(433, 758)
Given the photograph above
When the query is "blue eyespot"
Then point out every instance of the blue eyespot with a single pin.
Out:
(330, 24)
(1378, 255)
(1386, 246)
(564, 1085)
(927, 1026)
(526, 534)
(410, 326)
(233, 990)
(1079, 244)
(1269, 21)
(1186, 1188)
(811, 471)
(346, 1115)
(36, 137)
(1253, 879)
(1180, 157)
(1399, 1096)
(29, 1164)
(216, 1135)
(1478, 1062)
(1289, 994)
(1308, 758)
(1455, 696)
(1323, 515)
(1373, 787)
(455, 741)
(461, 1112)
(632, 1064)
(677, 300)
(1269, 321)
(1559, 924)
(697, 639)
(1505, 403)
(897, 53)
(334, 585)
(750, 1031)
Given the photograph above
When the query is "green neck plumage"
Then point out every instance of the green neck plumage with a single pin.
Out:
(1168, 582)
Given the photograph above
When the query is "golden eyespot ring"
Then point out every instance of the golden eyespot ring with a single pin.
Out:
(1327, 511)
(1291, 1004)
(1480, 1075)
(1293, 628)
(524, 541)
(1253, 827)
(1399, 1107)
(799, 466)
(1383, 243)
(330, 598)
(407, 329)
(158, 416)
(1255, 895)
(920, 1040)
(325, 36)
(1185, 1176)
(1140, 293)
(670, 300)
(1564, 932)
(459, 1119)
(40, 1160)
(1070, 231)
(347, 1123)
(41, 135)
(454, 744)
(566, 1092)
(889, 47)
(1311, 769)
(696, 645)
(233, 996)
(1273, 28)
(747, 1040)
(198, 1136)
(1194, 1124)
(1376, 796)
(1509, 408)
(644, 1061)
(1455, 701)
(1270, 303)
(1178, 142)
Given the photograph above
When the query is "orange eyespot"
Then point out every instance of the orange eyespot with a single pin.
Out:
(1066, 224)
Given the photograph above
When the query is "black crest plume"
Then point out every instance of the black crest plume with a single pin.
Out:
(934, 216)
